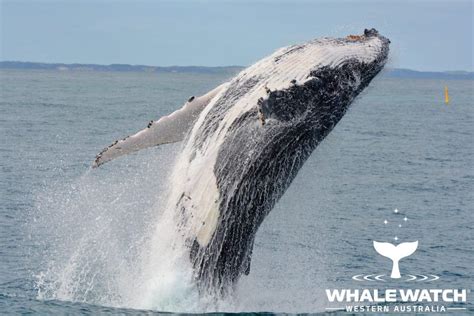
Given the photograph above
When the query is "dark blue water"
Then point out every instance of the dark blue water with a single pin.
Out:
(73, 240)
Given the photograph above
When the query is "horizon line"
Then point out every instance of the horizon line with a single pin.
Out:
(200, 66)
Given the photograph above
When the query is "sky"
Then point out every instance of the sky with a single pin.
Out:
(426, 35)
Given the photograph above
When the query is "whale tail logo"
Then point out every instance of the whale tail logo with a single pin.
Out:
(395, 253)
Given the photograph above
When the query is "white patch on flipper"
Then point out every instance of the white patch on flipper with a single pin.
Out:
(168, 129)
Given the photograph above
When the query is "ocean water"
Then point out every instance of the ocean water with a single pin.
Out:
(77, 240)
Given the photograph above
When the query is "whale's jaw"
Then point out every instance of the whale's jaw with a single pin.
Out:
(249, 142)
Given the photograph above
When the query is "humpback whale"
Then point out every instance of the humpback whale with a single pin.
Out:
(245, 141)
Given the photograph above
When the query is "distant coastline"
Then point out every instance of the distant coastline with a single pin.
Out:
(390, 73)
(117, 67)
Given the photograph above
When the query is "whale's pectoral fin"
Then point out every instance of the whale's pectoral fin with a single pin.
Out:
(168, 129)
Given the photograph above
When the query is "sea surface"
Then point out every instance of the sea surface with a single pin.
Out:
(75, 239)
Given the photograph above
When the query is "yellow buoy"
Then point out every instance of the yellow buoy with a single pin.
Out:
(446, 95)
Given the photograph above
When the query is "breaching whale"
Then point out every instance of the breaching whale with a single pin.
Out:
(245, 141)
